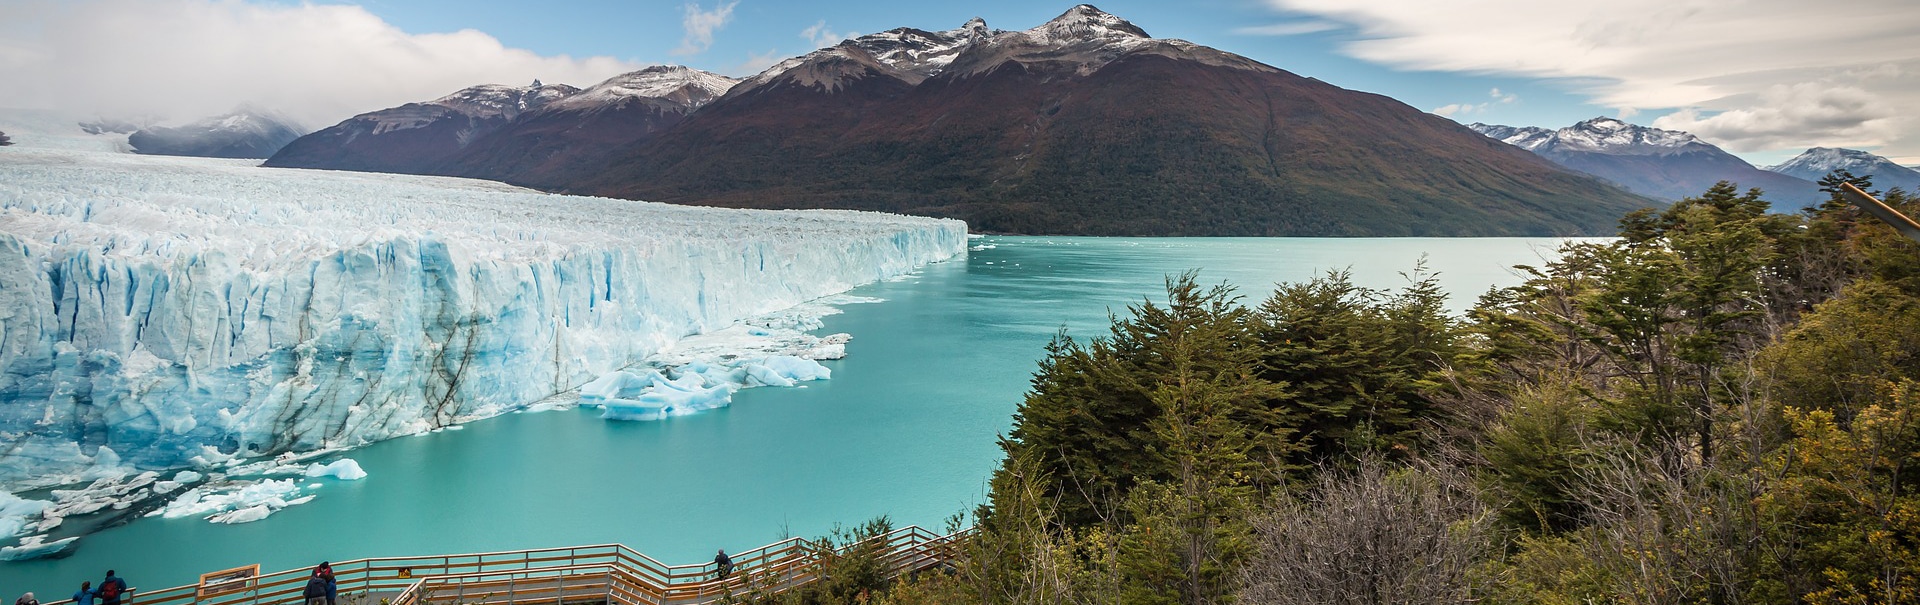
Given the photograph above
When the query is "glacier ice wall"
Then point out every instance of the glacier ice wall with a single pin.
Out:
(163, 306)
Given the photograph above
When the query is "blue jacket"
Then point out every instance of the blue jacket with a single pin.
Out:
(84, 597)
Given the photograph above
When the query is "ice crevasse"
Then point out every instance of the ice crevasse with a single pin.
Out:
(173, 308)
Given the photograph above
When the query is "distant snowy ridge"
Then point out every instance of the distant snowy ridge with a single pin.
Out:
(683, 86)
(173, 308)
(1815, 163)
(1598, 135)
(1658, 163)
(1084, 36)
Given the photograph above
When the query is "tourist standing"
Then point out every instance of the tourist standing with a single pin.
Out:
(85, 596)
(333, 586)
(112, 588)
(723, 564)
(27, 599)
(316, 591)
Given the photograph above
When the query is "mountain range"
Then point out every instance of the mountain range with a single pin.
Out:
(241, 134)
(1662, 164)
(1082, 125)
(1815, 163)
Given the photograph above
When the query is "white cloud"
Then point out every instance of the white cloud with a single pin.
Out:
(187, 59)
(821, 37)
(1289, 28)
(757, 62)
(1498, 97)
(1786, 115)
(1715, 56)
(700, 26)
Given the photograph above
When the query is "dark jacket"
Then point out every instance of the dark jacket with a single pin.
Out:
(316, 588)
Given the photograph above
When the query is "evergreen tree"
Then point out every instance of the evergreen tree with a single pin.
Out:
(4, 141)
(1091, 419)
(1361, 364)
(1830, 184)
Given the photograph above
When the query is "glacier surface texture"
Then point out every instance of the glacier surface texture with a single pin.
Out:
(158, 310)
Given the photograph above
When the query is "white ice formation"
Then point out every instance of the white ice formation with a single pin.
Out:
(344, 469)
(170, 312)
(237, 502)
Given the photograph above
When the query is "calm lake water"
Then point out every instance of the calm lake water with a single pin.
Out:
(905, 428)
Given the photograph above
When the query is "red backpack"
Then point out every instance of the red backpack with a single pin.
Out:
(110, 589)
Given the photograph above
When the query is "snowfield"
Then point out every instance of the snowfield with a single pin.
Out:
(164, 312)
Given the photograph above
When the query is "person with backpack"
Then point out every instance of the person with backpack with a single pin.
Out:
(316, 591)
(112, 588)
(333, 587)
(723, 564)
(85, 596)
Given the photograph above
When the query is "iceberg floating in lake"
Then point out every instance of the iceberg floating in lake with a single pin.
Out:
(344, 469)
(239, 502)
(34, 548)
(176, 311)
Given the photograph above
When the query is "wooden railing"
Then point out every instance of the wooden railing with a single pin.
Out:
(606, 573)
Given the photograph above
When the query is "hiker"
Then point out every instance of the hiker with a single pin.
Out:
(27, 599)
(111, 589)
(333, 587)
(85, 596)
(316, 591)
(723, 564)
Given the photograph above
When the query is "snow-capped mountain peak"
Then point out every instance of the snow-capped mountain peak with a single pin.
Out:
(1662, 164)
(1815, 163)
(1085, 22)
(1609, 135)
(502, 101)
(676, 84)
(1529, 138)
(1828, 159)
(907, 53)
(978, 26)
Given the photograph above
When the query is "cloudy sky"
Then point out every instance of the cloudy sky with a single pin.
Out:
(1762, 78)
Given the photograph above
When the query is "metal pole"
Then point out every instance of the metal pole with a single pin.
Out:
(1900, 222)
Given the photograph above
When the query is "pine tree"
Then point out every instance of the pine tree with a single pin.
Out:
(1089, 420)
(1360, 363)
(1836, 196)
(4, 141)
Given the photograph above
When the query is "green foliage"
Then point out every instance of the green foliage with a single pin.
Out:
(849, 564)
(1361, 363)
(1838, 358)
(1535, 455)
(1170, 382)
(1722, 406)
(1850, 495)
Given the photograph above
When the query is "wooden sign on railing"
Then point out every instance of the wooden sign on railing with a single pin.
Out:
(227, 581)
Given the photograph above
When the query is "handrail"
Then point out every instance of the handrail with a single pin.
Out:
(1899, 222)
(612, 569)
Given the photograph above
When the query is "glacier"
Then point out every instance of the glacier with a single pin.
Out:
(159, 313)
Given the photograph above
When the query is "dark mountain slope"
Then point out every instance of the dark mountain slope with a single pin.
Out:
(1120, 136)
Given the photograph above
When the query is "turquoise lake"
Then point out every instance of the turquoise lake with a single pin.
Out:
(906, 427)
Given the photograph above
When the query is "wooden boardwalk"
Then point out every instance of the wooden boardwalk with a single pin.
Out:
(609, 574)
